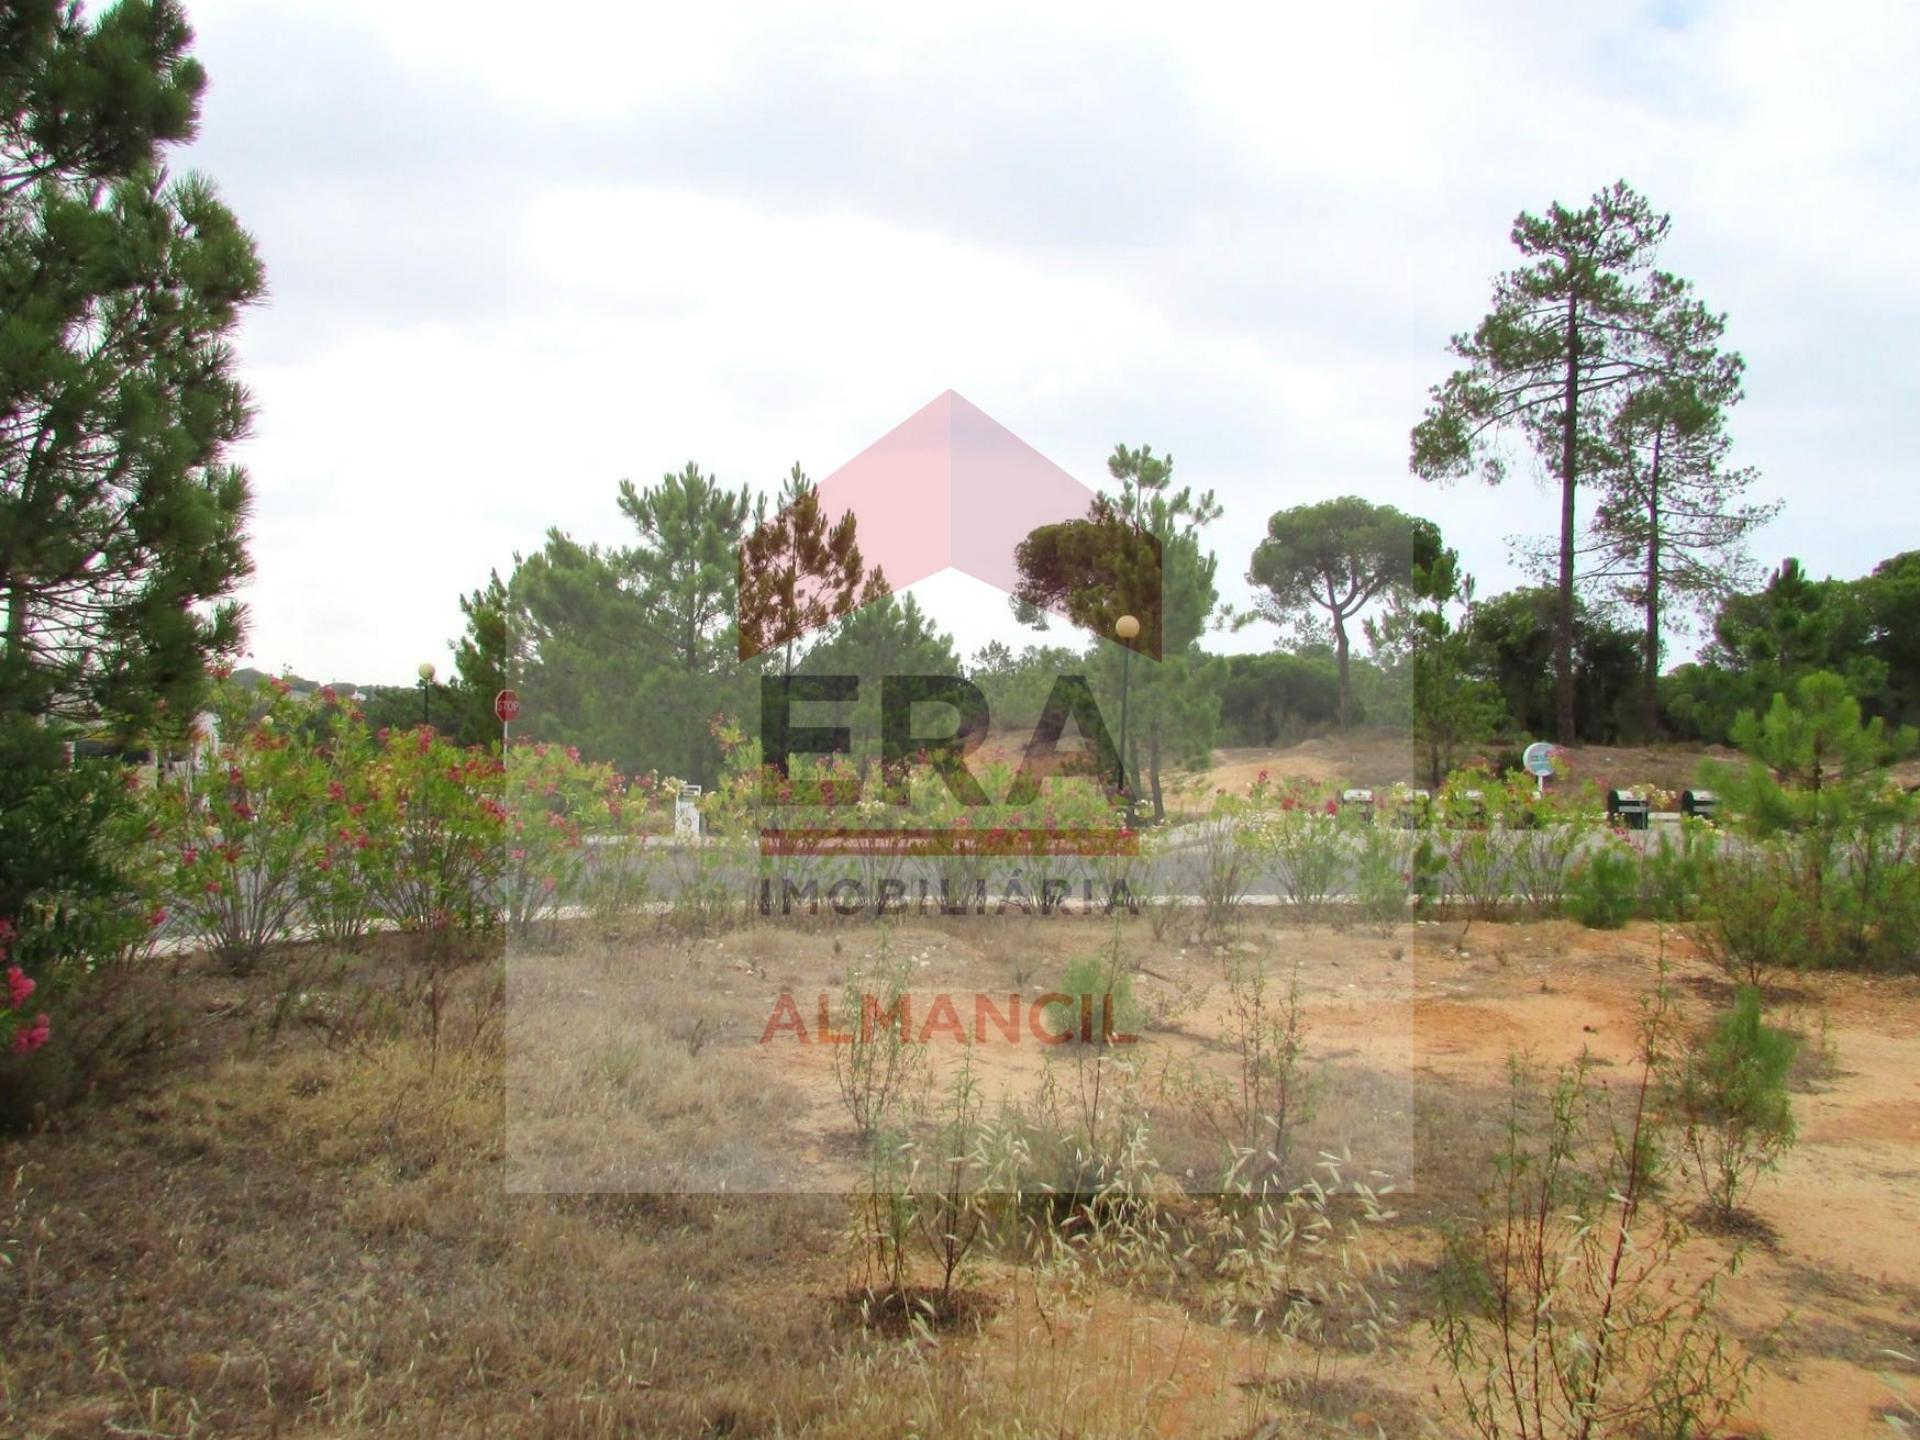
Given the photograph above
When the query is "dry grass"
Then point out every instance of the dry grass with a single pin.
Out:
(305, 1221)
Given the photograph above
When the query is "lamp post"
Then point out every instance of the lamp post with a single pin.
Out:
(426, 693)
(1127, 628)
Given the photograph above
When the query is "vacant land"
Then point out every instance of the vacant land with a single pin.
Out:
(1368, 758)
(310, 1216)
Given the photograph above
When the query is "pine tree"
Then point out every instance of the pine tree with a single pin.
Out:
(1138, 553)
(1565, 336)
(1338, 556)
(798, 573)
(684, 572)
(120, 518)
(1669, 533)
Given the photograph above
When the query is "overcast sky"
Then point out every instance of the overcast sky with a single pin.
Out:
(517, 254)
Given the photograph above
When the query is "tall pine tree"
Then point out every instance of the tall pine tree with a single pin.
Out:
(120, 517)
(1565, 336)
(684, 571)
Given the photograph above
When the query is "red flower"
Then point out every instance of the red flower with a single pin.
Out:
(19, 987)
(30, 1038)
(1261, 778)
(336, 792)
(157, 917)
(1333, 807)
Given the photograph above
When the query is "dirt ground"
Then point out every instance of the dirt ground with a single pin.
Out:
(308, 1219)
(1381, 760)
(1373, 758)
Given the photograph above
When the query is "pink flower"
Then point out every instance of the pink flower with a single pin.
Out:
(336, 792)
(19, 987)
(1261, 778)
(157, 917)
(190, 855)
(1333, 807)
(30, 1038)
(328, 695)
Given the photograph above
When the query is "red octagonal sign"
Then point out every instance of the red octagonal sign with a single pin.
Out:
(506, 706)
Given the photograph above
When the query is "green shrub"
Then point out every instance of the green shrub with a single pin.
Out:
(1675, 870)
(1382, 875)
(1605, 890)
(1731, 1096)
(1100, 999)
(1569, 1305)
(1825, 873)
(68, 914)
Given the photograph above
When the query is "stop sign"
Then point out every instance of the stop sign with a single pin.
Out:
(506, 706)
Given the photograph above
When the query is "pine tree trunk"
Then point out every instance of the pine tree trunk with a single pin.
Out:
(1651, 678)
(1153, 770)
(1563, 697)
(1346, 679)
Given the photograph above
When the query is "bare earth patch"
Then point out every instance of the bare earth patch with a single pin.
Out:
(312, 1218)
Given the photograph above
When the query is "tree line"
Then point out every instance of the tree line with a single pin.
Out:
(123, 516)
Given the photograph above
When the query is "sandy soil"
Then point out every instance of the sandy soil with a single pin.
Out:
(1411, 1036)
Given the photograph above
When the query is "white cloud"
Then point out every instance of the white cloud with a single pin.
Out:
(514, 259)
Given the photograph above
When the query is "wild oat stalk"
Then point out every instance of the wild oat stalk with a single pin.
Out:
(1562, 1314)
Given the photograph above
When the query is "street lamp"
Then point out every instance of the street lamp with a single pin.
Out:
(426, 693)
(1127, 628)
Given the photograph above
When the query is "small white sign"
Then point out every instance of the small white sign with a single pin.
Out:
(1539, 759)
(686, 813)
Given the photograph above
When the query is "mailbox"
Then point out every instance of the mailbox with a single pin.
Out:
(686, 813)
(1628, 809)
(1361, 801)
(1700, 804)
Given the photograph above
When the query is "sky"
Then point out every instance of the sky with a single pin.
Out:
(515, 256)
